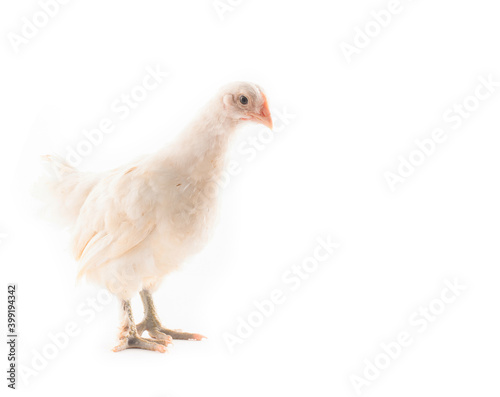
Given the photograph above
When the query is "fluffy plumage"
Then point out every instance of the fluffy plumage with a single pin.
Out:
(137, 223)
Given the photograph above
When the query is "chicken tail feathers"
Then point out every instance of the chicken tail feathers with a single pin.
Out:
(63, 190)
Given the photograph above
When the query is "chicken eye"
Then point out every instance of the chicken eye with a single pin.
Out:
(243, 100)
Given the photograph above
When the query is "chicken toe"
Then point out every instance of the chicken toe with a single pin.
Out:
(131, 339)
(152, 324)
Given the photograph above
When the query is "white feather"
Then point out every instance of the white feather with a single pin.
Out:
(137, 223)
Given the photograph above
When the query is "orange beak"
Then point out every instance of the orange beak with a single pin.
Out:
(264, 117)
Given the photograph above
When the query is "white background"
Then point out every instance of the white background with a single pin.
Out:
(322, 174)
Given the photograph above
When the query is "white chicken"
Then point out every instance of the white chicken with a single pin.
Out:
(136, 224)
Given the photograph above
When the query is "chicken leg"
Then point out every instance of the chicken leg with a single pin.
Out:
(152, 324)
(131, 339)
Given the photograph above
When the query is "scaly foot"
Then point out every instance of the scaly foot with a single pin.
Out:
(157, 332)
(131, 339)
(136, 342)
(152, 324)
